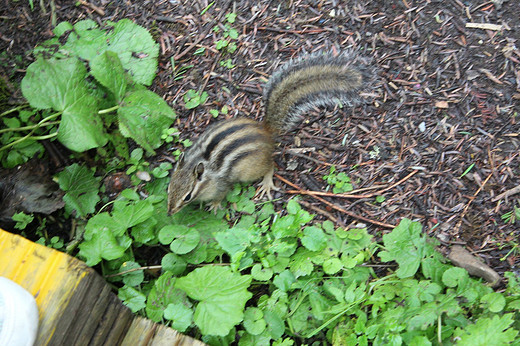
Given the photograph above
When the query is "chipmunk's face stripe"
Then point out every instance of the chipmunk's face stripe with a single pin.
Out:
(237, 145)
(220, 136)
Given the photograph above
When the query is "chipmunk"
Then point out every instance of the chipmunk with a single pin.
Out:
(240, 150)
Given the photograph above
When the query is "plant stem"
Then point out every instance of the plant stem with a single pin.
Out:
(13, 110)
(108, 110)
(30, 127)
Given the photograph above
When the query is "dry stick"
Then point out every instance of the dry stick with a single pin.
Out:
(350, 195)
(133, 270)
(457, 227)
(333, 206)
(508, 193)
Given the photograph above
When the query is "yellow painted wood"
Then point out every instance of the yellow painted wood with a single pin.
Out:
(76, 306)
(49, 275)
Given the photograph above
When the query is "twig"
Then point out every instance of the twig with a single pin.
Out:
(133, 270)
(459, 223)
(508, 193)
(333, 206)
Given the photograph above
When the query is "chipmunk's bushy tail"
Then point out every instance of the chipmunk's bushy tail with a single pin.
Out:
(318, 79)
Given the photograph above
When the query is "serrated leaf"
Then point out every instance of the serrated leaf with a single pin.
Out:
(221, 294)
(134, 278)
(132, 214)
(143, 116)
(101, 245)
(81, 189)
(454, 276)
(488, 331)
(161, 295)
(234, 240)
(180, 315)
(108, 70)
(301, 263)
(404, 245)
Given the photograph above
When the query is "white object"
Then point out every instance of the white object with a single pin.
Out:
(18, 315)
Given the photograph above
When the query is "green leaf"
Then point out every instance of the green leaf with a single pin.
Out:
(254, 321)
(22, 220)
(61, 85)
(134, 278)
(161, 295)
(182, 239)
(332, 266)
(494, 302)
(454, 276)
(301, 264)
(234, 240)
(488, 331)
(132, 298)
(261, 274)
(173, 263)
(221, 294)
(131, 214)
(284, 280)
(108, 70)
(136, 49)
(142, 116)
(102, 245)
(180, 315)
(404, 245)
(314, 238)
(81, 189)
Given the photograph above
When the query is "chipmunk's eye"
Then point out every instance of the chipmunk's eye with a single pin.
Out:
(187, 197)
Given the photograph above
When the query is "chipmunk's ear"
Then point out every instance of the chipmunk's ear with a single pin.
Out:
(199, 170)
(180, 162)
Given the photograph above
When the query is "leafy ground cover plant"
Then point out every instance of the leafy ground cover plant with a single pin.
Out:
(87, 72)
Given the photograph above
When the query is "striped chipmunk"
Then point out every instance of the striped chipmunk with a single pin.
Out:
(241, 150)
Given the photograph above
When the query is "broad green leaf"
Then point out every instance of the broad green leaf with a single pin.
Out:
(284, 280)
(180, 315)
(404, 245)
(182, 239)
(102, 222)
(301, 262)
(494, 302)
(161, 295)
(143, 116)
(275, 324)
(61, 85)
(332, 266)
(233, 240)
(136, 48)
(81, 128)
(261, 274)
(134, 278)
(454, 276)
(173, 263)
(254, 321)
(488, 331)
(108, 71)
(131, 214)
(132, 298)
(314, 238)
(102, 245)
(81, 189)
(222, 295)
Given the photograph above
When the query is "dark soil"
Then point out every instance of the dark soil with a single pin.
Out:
(448, 99)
